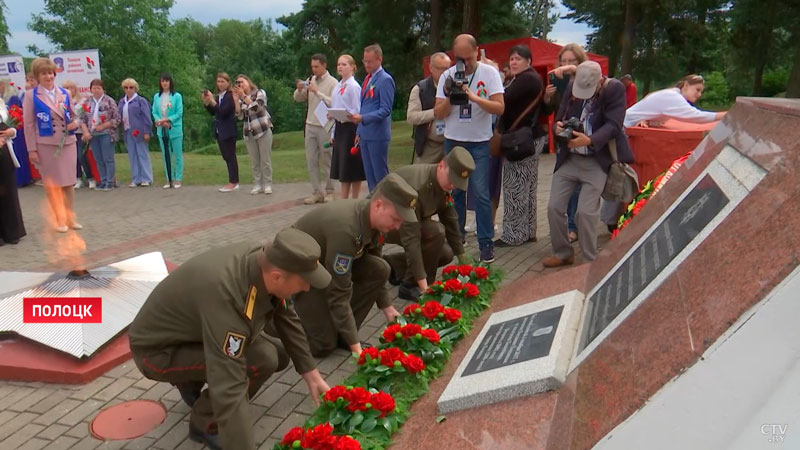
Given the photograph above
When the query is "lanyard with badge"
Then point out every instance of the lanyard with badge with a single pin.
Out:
(465, 111)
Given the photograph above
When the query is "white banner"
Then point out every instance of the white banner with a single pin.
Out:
(80, 67)
(12, 67)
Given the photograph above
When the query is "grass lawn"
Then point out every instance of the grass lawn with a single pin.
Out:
(205, 165)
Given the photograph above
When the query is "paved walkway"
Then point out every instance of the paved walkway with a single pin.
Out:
(179, 223)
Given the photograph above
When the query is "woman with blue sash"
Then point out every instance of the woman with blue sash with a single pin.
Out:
(11, 226)
(50, 137)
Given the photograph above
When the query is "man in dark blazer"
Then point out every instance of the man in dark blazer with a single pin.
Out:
(599, 103)
(375, 120)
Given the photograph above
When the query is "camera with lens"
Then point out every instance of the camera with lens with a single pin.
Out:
(454, 84)
(569, 127)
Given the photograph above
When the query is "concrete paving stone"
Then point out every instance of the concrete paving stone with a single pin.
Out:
(17, 394)
(5, 416)
(290, 377)
(62, 443)
(111, 445)
(140, 443)
(366, 332)
(53, 431)
(121, 369)
(172, 395)
(174, 436)
(264, 427)
(56, 412)
(31, 399)
(114, 389)
(84, 410)
(19, 436)
(157, 391)
(134, 373)
(87, 443)
(283, 407)
(145, 383)
(330, 363)
(268, 444)
(336, 377)
(169, 422)
(34, 444)
(79, 431)
(178, 407)
(301, 388)
(131, 393)
(307, 406)
(271, 394)
(256, 411)
(189, 444)
(294, 420)
(95, 386)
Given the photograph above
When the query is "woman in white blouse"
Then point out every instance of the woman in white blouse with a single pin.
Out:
(675, 103)
(346, 165)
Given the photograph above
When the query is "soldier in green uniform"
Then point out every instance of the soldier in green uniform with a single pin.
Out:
(351, 235)
(429, 244)
(204, 323)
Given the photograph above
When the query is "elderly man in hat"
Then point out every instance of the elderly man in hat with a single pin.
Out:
(204, 324)
(429, 244)
(351, 234)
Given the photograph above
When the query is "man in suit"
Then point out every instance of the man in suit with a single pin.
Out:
(584, 160)
(375, 120)
(428, 132)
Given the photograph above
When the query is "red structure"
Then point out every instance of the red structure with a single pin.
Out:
(545, 59)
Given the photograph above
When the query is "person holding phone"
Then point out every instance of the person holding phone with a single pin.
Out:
(222, 107)
(257, 131)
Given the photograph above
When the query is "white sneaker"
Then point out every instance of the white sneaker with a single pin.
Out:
(268, 189)
(256, 190)
(166, 186)
(132, 185)
(92, 184)
(178, 184)
(78, 184)
(145, 184)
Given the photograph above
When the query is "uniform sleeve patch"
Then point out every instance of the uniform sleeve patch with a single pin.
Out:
(234, 344)
(342, 263)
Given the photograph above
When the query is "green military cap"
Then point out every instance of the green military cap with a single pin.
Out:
(399, 192)
(296, 252)
(461, 166)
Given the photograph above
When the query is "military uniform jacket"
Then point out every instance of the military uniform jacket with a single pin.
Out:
(218, 298)
(343, 231)
(432, 200)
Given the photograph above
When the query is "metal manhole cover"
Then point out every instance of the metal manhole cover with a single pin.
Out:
(128, 420)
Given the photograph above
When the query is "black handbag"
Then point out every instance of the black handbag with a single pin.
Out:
(518, 143)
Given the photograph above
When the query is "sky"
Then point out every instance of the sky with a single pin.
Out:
(19, 12)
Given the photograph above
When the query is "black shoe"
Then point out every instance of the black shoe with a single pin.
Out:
(487, 253)
(211, 440)
(190, 391)
(611, 228)
(502, 243)
(393, 279)
(408, 292)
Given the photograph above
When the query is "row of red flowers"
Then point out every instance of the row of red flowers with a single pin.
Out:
(392, 357)
(410, 331)
(360, 399)
(454, 286)
(320, 437)
(465, 270)
(433, 310)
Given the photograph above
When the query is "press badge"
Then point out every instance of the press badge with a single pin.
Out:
(439, 124)
(465, 113)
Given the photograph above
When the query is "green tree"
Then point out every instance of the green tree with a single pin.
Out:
(5, 33)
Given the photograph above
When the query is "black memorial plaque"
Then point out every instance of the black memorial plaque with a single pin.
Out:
(515, 341)
(671, 236)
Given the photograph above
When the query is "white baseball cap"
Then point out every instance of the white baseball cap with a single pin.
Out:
(587, 78)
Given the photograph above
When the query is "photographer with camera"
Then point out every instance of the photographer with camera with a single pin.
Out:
(590, 117)
(467, 96)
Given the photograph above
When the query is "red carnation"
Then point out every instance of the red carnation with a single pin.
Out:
(411, 330)
(464, 270)
(319, 437)
(413, 363)
(347, 443)
(358, 398)
(135, 133)
(472, 290)
(86, 107)
(481, 273)
(354, 150)
(10, 83)
(615, 233)
(409, 310)
(452, 314)
(639, 205)
(390, 333)
(449, 269)
(103, 118)
(431, 335)
(335, 393)
(435, 286)
(371, 351)
(390, 355)
(295, 434)
(432, 309)
(453, 285)
(383, 402)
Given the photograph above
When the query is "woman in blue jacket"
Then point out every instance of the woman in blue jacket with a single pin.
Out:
(137, 126)
(168, 115)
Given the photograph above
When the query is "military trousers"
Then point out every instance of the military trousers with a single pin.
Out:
(185, 364)
(369, 275)
(435, 252)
